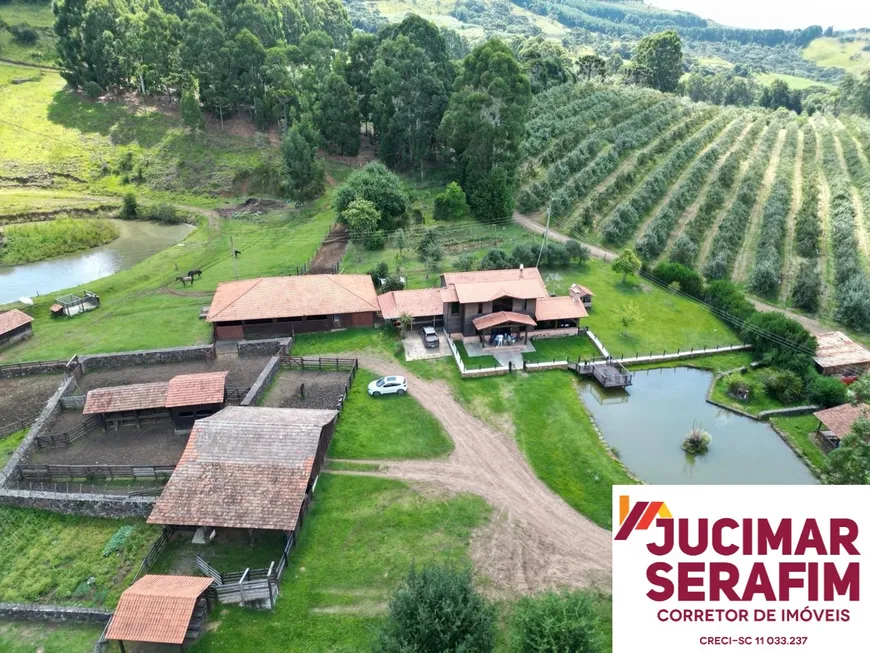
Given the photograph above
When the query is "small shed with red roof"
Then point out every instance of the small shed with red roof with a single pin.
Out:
(15, 325)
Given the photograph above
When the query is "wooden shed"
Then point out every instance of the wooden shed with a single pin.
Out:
(15, 325)
(836, 423)
(168, 611)
(838, 355)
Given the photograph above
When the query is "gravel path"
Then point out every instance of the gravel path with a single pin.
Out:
(535, 539)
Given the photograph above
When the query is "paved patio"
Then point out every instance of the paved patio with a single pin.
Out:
(415, 350)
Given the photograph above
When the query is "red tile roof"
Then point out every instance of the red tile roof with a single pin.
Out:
(836, 349)
(416, 303)
(296, 296)
(483, 276)
(502, 317)
(244, 467)
(558, 308)
(839, 419)
(583, 290)
(11, 320)
(157, 609)
(487, 291)
(196, 389)
(138, 396)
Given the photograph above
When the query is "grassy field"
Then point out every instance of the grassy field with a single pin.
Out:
(358, 541)
(50, 558)
(386, 427)
(799, 431)
(792, 80)
(667, 322)
(9, 444)
(475, 362)
(42, 240)
(759, 400)
(18, 637)
(37, 15)
(716, 363)
(556, 349)
(831, 53)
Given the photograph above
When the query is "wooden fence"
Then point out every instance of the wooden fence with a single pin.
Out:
(109, 472)
(156, 550)
(79, 487)
(320, 364)
(211, 354)
(13, 427)
(67, 437)
(347, 385)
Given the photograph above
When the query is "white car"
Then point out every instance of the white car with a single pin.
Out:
(388, 385)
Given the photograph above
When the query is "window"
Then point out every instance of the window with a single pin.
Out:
(454, 308)
(480, 308)
(525, 304)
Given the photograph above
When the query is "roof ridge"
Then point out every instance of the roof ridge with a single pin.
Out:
(256, 283)
(365, 301)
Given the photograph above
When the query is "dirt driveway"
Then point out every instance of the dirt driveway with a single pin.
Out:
(535, 539)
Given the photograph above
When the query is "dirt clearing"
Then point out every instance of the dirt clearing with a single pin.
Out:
(321, 389)
(24, 397)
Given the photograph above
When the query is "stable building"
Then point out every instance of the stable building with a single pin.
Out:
(247, 468)
(272, 307)
(15, 325)
(838, 355)
(183, 399)
(161, 610)
(836, 423)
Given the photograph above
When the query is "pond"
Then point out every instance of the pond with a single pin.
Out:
(647, 424)
(137, 241)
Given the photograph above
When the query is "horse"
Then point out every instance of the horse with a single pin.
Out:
(185, 280)
(194, 273)
(237, 252)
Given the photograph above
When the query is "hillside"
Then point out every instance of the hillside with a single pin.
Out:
(779, 204)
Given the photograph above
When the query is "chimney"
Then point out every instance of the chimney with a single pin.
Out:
(521, 270)
(574, 291)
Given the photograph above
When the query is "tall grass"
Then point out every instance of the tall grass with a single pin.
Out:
(26, 243)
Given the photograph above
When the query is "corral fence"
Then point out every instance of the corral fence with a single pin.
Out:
(8, 370)
(13, 427)
(235, 395)
(74, 368)
(68, 437)
(73, 487)
(311, 363)
(211, 354)
(50, 473)
(154, 552)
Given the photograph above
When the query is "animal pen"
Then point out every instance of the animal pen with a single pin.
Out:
(70, 305)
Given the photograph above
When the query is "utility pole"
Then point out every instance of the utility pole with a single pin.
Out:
(235, 264)
(546, 235)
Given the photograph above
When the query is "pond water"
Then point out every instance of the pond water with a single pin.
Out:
(647, 424)
(137, 241)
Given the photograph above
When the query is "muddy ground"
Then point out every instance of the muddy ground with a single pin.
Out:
(322, 389)
(24, 397)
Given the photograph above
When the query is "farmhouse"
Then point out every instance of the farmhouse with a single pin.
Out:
(184, 398)
(248, 468)
(15, 325)
(489, 304)
(161, 610)
(838, 355)
(836, 423)
(271, 307)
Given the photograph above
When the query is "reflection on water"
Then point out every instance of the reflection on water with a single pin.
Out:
(647, 423)
(136, 242)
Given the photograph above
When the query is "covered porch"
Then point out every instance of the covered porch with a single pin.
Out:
(503, 329)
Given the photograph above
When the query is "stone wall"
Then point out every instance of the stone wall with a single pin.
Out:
(145, 357)
(86, 505)
(263, 382)
(53, 613)
(268, 347)
(15, 370)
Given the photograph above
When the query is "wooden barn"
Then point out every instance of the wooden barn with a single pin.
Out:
(15, 325)
(183, 399)
(838, 355)
(247, 468)
(271, 307)
(164, 612)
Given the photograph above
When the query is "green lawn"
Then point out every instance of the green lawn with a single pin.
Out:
(759, 400)
(386, 427)
(357, 543)
(715, 362)
(49, 558)
(800, 432)
(37, 15)
(348, 341)
(18, 637)
(475, 362)
(830, 53)
(793, 81)
(667, 322)
(569, 348)
(9, 444)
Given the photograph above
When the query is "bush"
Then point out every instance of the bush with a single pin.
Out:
(738, 386)
(161, 213)
(379, 186)
(784, 386)
(92, 90)
(523, 255)
(552, 622)
(684, 251)
(807, 287)
(437, 610)
(129, 207)
(495, 259)
(376, 241)
(780, 341)
(362, 219)
(24, 34)
(577, 252)
(690, 281)
(393, 282)
(450, 204)
(464, 263)
(554, 255)
(728, 299)
(826, 390)
(380, 271)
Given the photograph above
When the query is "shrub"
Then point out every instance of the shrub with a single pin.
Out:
(379, 186)
(129, 206)
(554, 255)
(380, 271)
(495, 259)
(92, 90)
(738, 386)
(376, 241)
(554, 622)
(118, 540)
(392, 282)
(450, 204)
(362, 218)
(826, 390)
(807, 287)
(437, 610)
(464, 263)
(577, 252)
(523, 255)
(161, 213)
(24, 34)
(784, 386)
(780, 341)
(690, 281)
(698, 441)
(729, 301)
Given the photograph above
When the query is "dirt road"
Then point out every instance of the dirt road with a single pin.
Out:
(535, 539)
